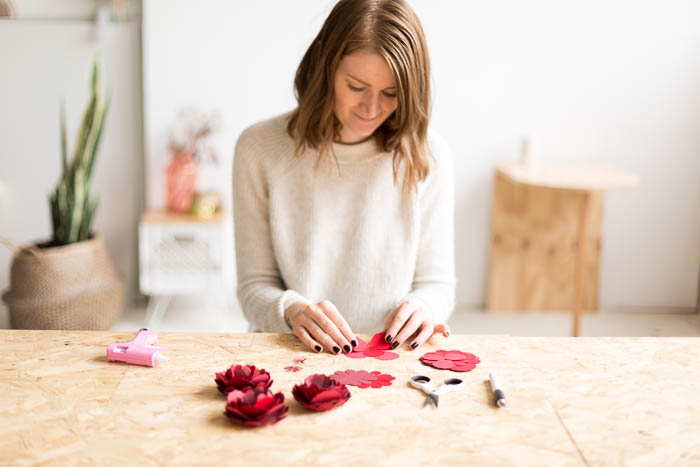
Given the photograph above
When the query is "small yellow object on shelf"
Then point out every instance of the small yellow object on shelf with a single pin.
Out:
(205, 205)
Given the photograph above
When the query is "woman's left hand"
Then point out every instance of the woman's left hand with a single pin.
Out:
(408, 319)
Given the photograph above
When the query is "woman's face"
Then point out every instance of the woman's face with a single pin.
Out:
(365, 94)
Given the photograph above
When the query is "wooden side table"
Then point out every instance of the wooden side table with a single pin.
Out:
(180, 254)
(546, 229)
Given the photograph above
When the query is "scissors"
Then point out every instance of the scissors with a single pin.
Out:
(426, 385)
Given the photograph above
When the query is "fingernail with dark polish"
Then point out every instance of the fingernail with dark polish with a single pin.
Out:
(395, 344)
(336, 349)
(347, 348)
(354, 343)
(388, 338)
(317, 348)
(414, 345)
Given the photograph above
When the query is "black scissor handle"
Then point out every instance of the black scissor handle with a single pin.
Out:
(452, 382)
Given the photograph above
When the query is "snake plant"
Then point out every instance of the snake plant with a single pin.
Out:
(72, 205)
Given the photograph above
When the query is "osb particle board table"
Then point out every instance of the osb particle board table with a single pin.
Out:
(585, 401)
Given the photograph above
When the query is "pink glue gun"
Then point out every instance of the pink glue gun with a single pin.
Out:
(140, 351)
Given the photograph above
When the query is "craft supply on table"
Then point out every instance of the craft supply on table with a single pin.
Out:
(139, 351)
(498, 394)
(296, 367)
(453, 360)
(255, 406)
(377, 348)
(425, 384)
(241, 377)
(363, 379)
(320, 393)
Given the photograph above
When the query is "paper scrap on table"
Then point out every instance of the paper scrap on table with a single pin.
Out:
(377, 348)
(363, 379)
(453, 360)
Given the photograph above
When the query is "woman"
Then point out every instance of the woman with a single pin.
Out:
(343, 208)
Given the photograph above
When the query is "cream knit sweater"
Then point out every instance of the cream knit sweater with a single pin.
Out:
(309, 236)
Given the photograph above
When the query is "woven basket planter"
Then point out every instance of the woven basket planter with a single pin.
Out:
(74, 286)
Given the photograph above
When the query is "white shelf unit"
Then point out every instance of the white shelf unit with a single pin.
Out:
(182, 255)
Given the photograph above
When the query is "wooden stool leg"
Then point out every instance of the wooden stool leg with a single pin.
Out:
(579, 275)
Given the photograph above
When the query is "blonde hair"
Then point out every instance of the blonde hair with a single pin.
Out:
(392, 29)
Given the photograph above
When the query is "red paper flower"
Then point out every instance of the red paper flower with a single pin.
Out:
(319, 393)
(454, 360)
(255, 406)
(382, 380)
(363, 379)
(242, 376)
(376, 348)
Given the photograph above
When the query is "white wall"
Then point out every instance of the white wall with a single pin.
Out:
(43, 63)
(597, 80)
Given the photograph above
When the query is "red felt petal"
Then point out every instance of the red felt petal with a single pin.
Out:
(431, 356)
(465, 367)
(443, 364)
(353, 378)
(355, 355)
(388, 356)
(454, 355)
(379, 342)
(343, 378)
(374, 379)
(373, 353)
(470, 357)
(327, 396)
(361, 345)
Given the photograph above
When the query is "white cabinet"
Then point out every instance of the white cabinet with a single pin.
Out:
(182, 255)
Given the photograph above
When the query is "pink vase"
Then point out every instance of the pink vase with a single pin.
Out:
(181, 181)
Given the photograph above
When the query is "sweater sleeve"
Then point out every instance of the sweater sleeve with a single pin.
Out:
(434, 278)
(261, 290)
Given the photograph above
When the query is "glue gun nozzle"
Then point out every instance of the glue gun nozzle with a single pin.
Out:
(161, 358)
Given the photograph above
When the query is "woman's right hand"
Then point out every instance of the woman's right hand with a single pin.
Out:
(321, 326)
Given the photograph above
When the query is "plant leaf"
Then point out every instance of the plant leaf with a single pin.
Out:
(79, 195)
(87, 124)
(64, 150)
(72, 207)
(96, 136)
(90, 208)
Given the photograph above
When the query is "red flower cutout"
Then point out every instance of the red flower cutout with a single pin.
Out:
(241, 377)
(293, 369)
(454, 360)
(376, 348)
(255, 406)
(382, 380)
(319, 393)
(363, 379)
